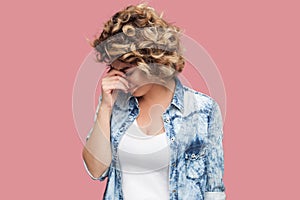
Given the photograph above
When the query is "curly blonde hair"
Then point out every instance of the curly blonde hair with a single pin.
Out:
(139, 36)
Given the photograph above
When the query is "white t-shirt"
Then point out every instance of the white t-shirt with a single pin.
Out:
(144, 162)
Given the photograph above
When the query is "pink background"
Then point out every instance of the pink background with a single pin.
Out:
(255, 45)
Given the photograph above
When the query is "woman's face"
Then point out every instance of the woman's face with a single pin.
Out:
(138, 82)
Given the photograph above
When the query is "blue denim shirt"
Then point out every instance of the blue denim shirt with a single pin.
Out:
(194, 127)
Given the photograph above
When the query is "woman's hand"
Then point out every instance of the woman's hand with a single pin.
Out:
(112, 81)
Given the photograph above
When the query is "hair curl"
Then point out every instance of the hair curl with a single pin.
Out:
(138, 35)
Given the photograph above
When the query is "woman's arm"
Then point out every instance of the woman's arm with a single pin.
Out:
(97, 153)
(215, 189)
(97, 150)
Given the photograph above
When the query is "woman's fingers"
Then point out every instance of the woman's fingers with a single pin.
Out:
(116, 76)
(114, 72)
(114, 84)
(114, 80)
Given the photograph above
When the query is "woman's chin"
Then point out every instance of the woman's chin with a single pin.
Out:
(139, 91)
(135, 92)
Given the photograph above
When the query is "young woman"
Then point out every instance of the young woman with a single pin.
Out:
(153, 138)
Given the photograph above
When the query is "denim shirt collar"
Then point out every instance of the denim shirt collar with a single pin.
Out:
(177, 99)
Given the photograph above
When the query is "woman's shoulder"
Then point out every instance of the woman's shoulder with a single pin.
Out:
(197, 94)
(197, 98)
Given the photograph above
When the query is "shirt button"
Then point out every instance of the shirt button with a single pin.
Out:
(174, 164)
(193, 155)
(174, 191)
(172, 139)
(167, 120)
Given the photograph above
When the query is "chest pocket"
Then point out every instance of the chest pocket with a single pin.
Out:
(195, 159)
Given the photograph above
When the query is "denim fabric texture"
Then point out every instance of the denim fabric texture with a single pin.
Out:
(194, 128)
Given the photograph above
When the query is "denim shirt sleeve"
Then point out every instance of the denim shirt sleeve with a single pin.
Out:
(215, 189)
(105, 173)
